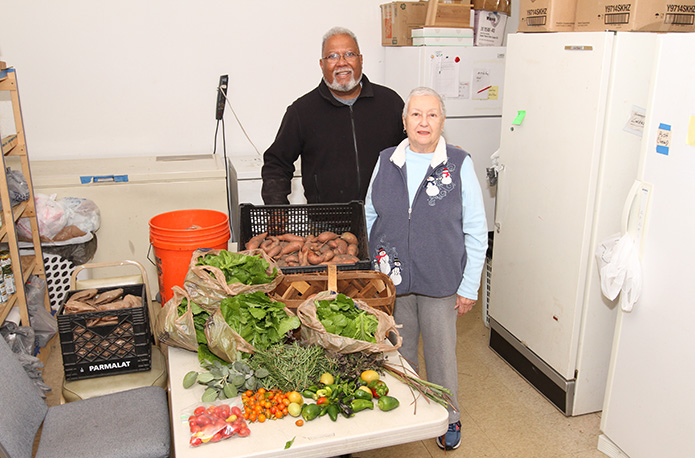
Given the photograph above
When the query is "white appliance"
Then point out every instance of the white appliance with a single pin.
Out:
(471, 81)
(129, 191)
(573, 108)
(245, 177)
(650, 397)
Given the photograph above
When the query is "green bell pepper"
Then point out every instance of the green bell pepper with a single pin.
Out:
(387, 403)
(361, 404)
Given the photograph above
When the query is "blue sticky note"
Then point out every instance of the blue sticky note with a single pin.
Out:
(663, 138)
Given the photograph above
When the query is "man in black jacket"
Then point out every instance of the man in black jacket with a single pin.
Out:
(338, 129)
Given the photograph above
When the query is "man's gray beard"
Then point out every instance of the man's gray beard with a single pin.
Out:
(347, 87)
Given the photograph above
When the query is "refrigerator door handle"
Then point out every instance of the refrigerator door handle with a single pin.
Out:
(635, 211)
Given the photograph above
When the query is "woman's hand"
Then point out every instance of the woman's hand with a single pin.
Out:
(463, 305)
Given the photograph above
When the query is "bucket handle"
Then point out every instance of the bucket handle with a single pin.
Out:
(149, 249)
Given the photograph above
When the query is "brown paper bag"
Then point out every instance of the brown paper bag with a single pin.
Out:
(313, 331)
(207, 285)
(175, 330)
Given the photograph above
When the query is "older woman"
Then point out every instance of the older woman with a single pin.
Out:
(428, 232)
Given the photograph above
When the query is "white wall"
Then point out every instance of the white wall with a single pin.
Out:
(135, 77)
(139, 77)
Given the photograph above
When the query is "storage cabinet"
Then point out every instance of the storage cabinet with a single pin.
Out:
(14, 154)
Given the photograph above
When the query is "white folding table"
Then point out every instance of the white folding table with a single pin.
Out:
(321, 437)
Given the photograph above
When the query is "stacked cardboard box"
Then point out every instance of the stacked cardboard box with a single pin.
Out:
(398, 19)
(599, 15)
(635, 15)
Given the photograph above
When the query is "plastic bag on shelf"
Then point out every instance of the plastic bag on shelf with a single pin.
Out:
(17, 186)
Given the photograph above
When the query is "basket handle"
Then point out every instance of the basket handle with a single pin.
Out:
(332, 278)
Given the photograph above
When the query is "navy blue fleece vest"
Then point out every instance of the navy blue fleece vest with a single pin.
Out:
(423, 254)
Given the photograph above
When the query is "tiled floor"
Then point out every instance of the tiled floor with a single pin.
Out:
(502, 415)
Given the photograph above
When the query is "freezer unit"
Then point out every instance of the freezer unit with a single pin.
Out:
(129, 191)
(649, 399)
(573, 107)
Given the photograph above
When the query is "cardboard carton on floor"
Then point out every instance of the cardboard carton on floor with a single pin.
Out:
(635, 15)
(398, 19)
(546, 15)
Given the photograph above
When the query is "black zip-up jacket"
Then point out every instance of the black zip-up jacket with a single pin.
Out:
(339, 144)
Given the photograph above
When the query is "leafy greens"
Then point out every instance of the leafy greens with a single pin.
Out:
(239, 268)
(258, 320)
(340, 316)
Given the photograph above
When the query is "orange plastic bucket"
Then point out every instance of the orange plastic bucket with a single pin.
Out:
(176, 235)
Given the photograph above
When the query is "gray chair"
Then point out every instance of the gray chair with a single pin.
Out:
(133, 423)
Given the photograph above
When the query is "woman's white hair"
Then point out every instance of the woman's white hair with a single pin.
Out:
(422, 90)
(338, 31)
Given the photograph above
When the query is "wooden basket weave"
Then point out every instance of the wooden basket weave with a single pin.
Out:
(371, 287)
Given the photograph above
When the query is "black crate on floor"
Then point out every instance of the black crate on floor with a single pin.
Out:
(92, 350)
(308, 219)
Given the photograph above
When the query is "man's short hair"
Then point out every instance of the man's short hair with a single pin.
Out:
(338, 31)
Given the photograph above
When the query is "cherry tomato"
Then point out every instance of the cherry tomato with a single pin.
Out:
(243, 432)
(299, 422)
(196, 441)
(199, 410)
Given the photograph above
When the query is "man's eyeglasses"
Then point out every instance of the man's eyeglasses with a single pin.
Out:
(348, 56)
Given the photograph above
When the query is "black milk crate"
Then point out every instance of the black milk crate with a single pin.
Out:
(307, 219)
(95, 350)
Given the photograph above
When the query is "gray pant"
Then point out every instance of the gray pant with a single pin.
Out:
(435, 319)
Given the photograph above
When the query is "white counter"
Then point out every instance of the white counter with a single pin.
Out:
(318, 438)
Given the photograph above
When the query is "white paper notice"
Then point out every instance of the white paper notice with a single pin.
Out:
(635, 123)
(445, 76)
(481, 83)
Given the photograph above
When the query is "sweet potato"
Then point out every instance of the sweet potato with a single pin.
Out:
(326, 236)
(349, 237)
(353, 249)
(255, 242)
(289, 237)
(291, 247)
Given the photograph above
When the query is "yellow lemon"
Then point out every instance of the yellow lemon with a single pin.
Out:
(369, 376)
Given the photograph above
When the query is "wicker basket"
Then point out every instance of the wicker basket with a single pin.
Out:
(373, 288)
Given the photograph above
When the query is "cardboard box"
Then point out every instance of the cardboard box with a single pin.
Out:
(456, 32)
(635, 15)
(488, 29)
(398, 19)
(546, 15)
(503, 6)
(444, 41)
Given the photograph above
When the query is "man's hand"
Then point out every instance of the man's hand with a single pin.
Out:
(463, 305)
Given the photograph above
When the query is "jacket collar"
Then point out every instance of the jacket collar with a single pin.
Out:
(367, 91)
(439, 157)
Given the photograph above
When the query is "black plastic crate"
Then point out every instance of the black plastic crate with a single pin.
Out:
(308, 219)
(94, 350)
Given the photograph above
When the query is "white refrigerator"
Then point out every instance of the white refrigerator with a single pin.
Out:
(572, 112)
(648, 410)
(471, 80)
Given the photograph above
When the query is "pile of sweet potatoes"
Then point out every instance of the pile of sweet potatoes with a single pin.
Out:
(290, 250)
